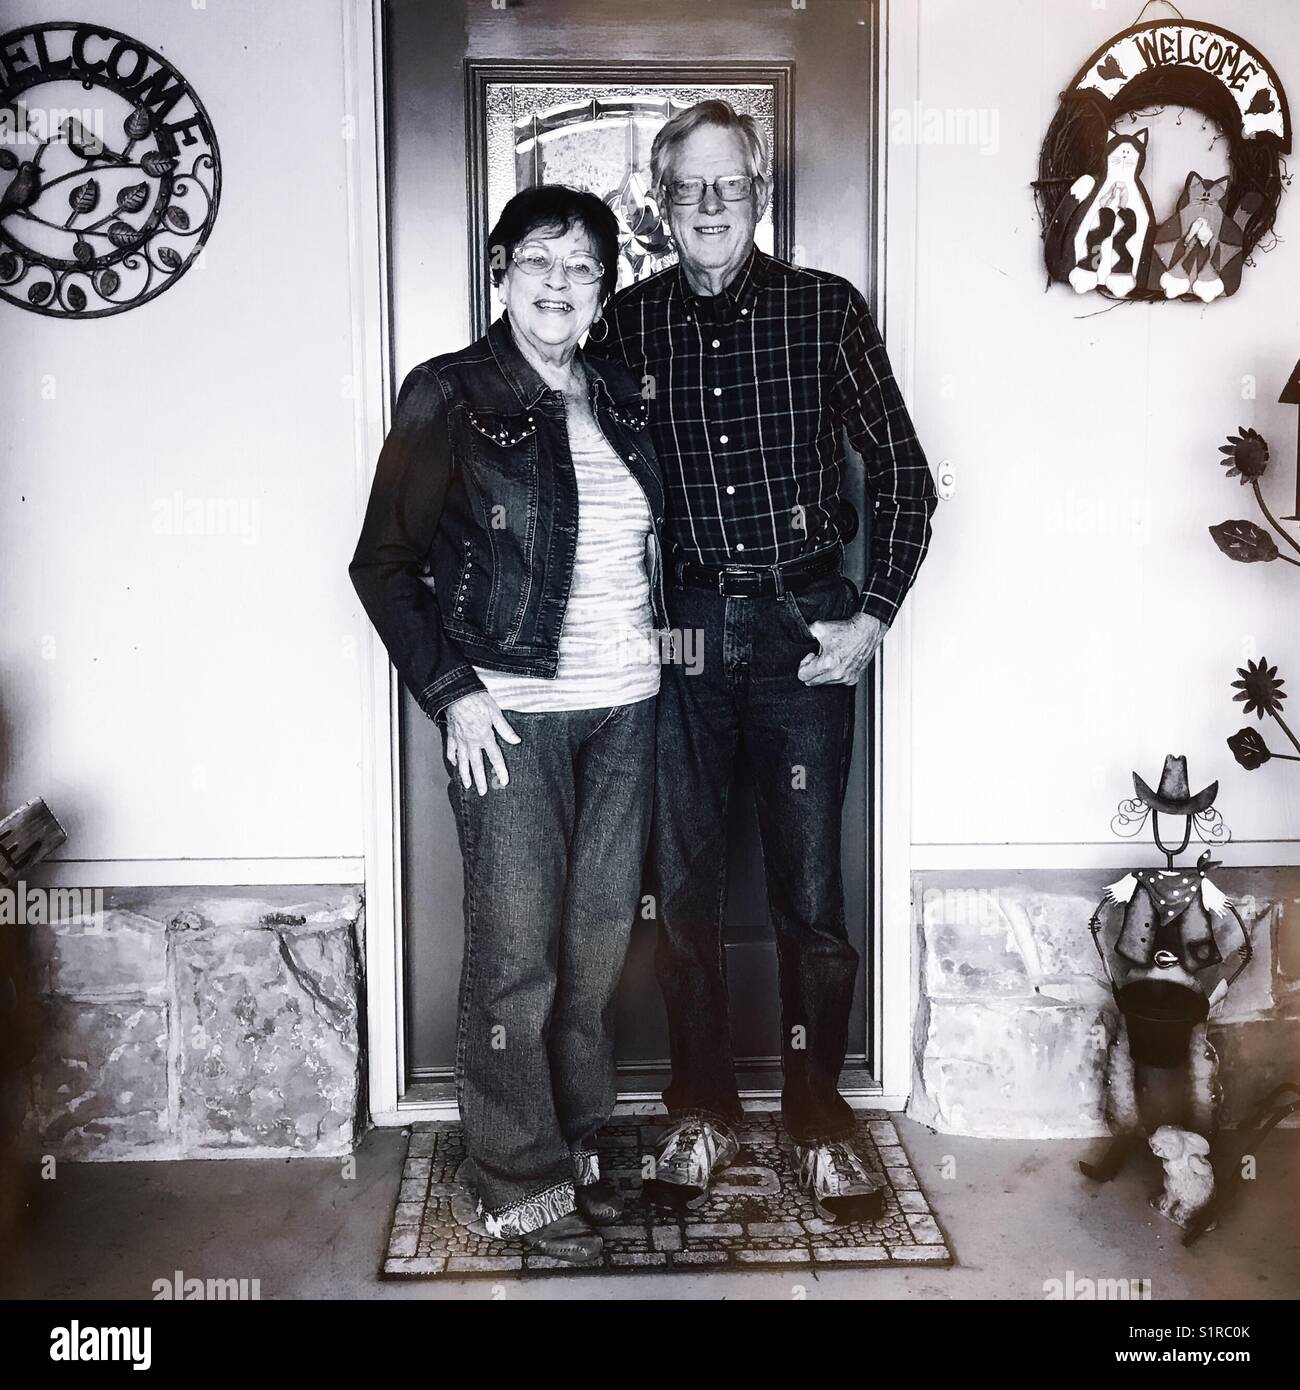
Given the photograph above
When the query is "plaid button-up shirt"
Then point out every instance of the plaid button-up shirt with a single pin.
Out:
(751, 392)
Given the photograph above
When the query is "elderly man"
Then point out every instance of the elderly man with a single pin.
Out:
(758, 368)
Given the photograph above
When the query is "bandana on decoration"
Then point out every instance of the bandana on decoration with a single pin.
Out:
(1170, 898)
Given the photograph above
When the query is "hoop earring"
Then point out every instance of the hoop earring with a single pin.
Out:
(591, 332)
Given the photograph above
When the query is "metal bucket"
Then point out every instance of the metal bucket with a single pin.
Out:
(1160, 1016)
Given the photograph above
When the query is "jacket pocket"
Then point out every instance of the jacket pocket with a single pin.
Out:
(506, 430)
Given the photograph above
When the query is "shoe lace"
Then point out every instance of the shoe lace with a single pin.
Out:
(831, 1163)
(686, 1135)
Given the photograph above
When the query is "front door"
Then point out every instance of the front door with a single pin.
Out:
(482, 99)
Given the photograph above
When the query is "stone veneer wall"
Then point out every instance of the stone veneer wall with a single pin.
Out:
(199, 1022)
(1014, 1015)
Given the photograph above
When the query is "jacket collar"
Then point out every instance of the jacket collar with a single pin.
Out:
(523, 377)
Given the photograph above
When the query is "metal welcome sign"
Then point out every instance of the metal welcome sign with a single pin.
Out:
(113, 175)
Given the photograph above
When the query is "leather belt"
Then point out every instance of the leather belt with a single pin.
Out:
(753, 581)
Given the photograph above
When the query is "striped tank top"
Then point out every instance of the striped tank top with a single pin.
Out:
(608, 652)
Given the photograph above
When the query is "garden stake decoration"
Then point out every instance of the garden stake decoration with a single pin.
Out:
(1246, 458)
(1280, 1103)
(1161, 1070)
(1291, 396)
(1099, 230)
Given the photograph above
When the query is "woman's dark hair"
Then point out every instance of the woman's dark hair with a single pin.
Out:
(554, 208)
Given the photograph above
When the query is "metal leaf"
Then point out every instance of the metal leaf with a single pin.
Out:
(8, 265)
(137, 123)
(132, 199)
(83, 250)
(156, 165)
(39, 293)
(1249, 748)
(76, 298)
(8, 159)
(170, 258)
(178, 217)
(109, 282)
(85, 196)
(122, 234)
(1244, 541)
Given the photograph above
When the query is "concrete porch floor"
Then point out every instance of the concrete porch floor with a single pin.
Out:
(1017, 1213)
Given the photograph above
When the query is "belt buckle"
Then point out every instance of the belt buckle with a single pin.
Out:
(738, 571)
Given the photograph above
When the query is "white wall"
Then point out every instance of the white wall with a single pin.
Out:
(181, 696)
(1074, 619)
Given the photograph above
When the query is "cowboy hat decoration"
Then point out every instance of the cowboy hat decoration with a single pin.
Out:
(1172, 796)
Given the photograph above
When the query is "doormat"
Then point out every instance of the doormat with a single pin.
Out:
(755, 1216)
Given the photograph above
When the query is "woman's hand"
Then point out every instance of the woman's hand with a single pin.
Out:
(473, 723)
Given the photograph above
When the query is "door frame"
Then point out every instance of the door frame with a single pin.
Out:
(892, 84)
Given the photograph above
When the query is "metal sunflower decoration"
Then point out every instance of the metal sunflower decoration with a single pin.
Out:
(1245, 456)
(1261, 690)
(1246, 459)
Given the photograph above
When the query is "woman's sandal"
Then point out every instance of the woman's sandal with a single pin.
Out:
(568, 1238)
(599, 1202)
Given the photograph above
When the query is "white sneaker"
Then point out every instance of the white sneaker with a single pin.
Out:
(841, 1186)
(690, 1153)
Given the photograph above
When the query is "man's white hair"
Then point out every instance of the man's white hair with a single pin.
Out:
(714, 112)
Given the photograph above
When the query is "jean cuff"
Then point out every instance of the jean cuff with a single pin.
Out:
(832, 1136)
(687, 1112)
(530, 1213)
(586, 1167)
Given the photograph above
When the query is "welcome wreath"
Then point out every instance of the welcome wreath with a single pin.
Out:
(1099, 231)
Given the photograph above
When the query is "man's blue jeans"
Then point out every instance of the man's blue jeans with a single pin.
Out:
(552, 885)
(747, 701)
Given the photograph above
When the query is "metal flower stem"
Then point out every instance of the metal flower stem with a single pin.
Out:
(1289, 735)
(1276, 525)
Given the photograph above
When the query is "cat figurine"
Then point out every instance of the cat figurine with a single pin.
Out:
(1108, 235)
(1198, 246)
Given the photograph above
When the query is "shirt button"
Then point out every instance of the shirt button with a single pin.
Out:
(744, 311)
(741, 546)
(730, 490)
(717, 390)
(723, 438)
(717, 342)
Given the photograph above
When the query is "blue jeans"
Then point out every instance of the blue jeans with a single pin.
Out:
(552, 884)
(748, 701)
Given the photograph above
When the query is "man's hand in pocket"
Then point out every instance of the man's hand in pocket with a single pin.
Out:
(847, 647)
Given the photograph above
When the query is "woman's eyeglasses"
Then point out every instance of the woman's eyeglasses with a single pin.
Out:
(731, 189)
(534, 259)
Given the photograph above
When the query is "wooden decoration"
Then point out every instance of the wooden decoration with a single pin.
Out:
(1291, 396)
(27, 835)
(1098, 230)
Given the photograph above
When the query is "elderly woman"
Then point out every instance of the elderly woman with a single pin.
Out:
(510, 561)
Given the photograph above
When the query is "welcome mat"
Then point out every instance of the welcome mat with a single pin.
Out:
(755, 1216)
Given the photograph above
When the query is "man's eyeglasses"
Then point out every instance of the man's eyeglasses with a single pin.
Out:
(731, 188)
(579, 266)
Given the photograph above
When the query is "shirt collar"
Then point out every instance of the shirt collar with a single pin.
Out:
(737, 296)
(524, 378)
(515, 367)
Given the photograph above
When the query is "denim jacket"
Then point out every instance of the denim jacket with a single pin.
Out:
(467, 547)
